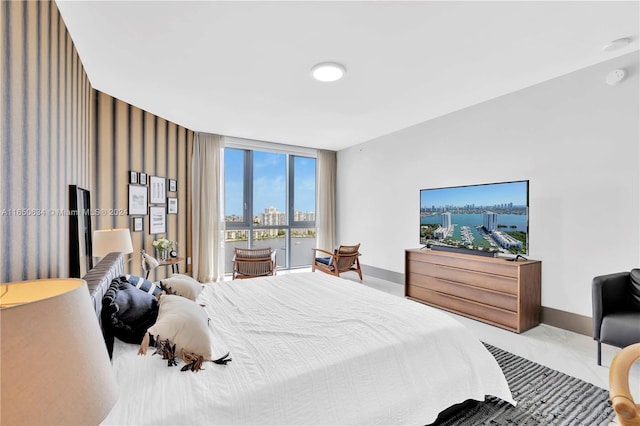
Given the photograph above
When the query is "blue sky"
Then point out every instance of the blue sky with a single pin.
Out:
(269, 182)
(480, 195)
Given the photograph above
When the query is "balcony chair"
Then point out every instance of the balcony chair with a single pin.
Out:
(621, 399)
(616, 309)
(251, 263)
(343, 259)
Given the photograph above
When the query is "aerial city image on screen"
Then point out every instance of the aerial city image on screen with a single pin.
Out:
(490, 217)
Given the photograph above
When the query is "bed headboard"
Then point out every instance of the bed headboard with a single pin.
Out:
(99, 278)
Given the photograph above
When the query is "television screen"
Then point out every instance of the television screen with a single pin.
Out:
(489, 217)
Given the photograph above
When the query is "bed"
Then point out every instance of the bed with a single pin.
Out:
(309, 348)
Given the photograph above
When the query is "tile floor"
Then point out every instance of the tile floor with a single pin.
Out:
(562, 350)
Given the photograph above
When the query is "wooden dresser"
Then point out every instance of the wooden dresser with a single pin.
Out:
(493, 290)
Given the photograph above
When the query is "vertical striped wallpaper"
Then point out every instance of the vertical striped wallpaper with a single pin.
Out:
(46, 108)
(128, 138)
(58, 131)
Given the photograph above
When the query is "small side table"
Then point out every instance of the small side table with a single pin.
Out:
(174, 262)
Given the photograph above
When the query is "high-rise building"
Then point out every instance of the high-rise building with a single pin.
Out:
(272, 217)
(300, 216)
(490, 221)
(446, 220)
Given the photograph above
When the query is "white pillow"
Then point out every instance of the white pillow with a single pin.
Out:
(186, 277)
(181, 286)
(185, 324)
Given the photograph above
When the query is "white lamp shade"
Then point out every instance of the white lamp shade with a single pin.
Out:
(55, 366)
(106, 241)
(148, 262)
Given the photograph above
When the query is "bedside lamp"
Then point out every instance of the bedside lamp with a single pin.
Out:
(55, 367)
(148, 263)
(106, 241)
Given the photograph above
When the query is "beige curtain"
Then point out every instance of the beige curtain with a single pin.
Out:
(326, 202)
(207, 165)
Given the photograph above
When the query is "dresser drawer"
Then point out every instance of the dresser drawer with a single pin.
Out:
(501, 293)
(465, 307)
(498, 283)
(476, 294)
(488, 265)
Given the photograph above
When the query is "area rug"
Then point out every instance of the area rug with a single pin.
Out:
(545, 397)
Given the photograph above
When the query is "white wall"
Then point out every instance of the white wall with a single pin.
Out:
(574, 137)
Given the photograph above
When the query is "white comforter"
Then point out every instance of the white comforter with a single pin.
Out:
(309, 348)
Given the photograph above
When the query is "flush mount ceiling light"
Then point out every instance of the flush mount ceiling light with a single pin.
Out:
(616, 44)
(328, 71)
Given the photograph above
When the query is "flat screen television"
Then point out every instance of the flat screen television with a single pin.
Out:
(487, 219)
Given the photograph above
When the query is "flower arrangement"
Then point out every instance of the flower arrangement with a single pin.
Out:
(163, 246)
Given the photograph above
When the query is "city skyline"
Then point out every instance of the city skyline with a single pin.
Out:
(487, 195)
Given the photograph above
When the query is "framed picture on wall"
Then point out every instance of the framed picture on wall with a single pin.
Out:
(137, 200)
(157, 190)
(157, 220)
(172, 205)
(137, 224)
(133, 177)
(143, 179)
(173, 185)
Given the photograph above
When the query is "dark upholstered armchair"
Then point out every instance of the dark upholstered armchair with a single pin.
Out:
(616, 309)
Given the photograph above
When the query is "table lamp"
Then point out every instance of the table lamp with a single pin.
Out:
(106, 241)
(55, 367)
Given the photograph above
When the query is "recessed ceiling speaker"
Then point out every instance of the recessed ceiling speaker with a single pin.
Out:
(615, 77)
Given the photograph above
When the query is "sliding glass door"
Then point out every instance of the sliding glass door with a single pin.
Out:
(270, 202)
(303, 206)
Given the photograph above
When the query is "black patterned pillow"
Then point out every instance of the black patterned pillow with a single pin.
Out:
(127, 312)
(142, 284)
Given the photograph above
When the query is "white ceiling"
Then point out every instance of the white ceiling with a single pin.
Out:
(243, 68)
